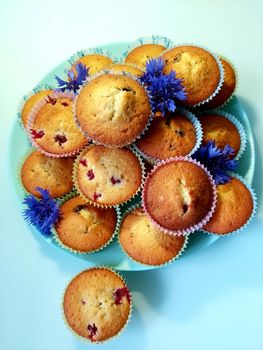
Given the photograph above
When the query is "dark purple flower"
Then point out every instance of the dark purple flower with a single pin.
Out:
(75, 80)
(217, 161)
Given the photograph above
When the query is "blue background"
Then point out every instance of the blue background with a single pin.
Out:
(210, 300)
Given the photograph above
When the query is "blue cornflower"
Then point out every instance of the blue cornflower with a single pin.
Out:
(41, 213)
(75, 80)
(217, 161)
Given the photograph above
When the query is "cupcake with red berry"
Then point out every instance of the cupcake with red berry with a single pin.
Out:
(51, 126)
(108, 176)
(97, 304)
(82, 227)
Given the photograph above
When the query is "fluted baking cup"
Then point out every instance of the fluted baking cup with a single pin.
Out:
(32, 117)
(192, 228)
(254, 199)
(80, 192)
(168, 262)
(198, 131)
(87, 340)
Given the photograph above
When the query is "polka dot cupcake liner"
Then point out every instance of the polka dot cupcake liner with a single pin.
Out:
(236, 122)
(75, 180)
(32, 117)
(153, 39)
(24, 99)
(198, 131)
(88, 80)
(63, 200)
(221, 70)
(192, 228)
(254, 199)
(87, 340)
(168, 262)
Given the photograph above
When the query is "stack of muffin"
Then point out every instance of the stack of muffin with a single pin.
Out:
(119, 168)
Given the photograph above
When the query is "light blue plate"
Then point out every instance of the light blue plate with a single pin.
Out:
(113, 255)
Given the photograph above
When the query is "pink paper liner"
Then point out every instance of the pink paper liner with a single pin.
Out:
(104, 72)
(32, 116)
(192, 228)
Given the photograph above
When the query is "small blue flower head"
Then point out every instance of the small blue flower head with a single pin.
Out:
(75, 80)
(164, 89)
(217, 161)
(41, 213)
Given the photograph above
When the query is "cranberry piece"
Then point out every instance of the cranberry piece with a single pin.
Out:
(93, 330)
(37, 134)
(90, 174)
(121, 293)
(65, 104)
(60, 138)
(83, 162)
(115, 180)
(96, 196)
(83, 302)
(51, 100)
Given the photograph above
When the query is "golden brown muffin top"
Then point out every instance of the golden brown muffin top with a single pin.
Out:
(97, 304)
(113, 109)
(233, 208)
(30, 102)
(221, 130)
(141, 54)
(168, 137)
(83, 227)
(198, 70)
(108, 176)
(53, 174)
(127, 68)
(144, 242)
(227, 88)
(94, 62)
(54, 128)
(178, 195)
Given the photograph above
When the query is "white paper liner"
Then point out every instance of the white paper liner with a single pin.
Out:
(99, 205)
(87, 340)
(254, 198)
(198, 131)
(128, 211)
(24, 99)
(192, 228)
(62, 201)
(153, 39)
(236, 122)
(37, 107)
(220, 66)
(88, 80)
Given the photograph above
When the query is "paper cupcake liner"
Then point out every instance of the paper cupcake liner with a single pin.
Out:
(153, 39)
(32, 117)
(236, 122)
(192, 228)
(23, 100)
(199, 136)
(62, 201)
(254, 198)
(92, 51)
(103, 72)
(124, 214)
(221, 70)
(122, 72)
(87, 340)
(99, 205)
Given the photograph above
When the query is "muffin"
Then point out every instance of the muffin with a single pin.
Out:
(94, 62)
(30, 102)
(198, 69)
(126, 68)
(84, 228)
(171, 136)
(145, 243)
(113, 109)
(97, 304)
(107, 176)
(141, 54)
(52, 174)
(233, 209)
(53, 129)
(227, 88)
(179, 196)
(220, 129)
